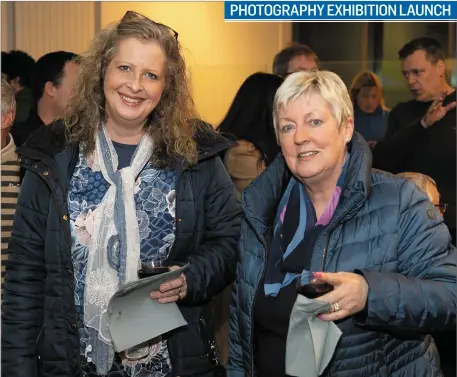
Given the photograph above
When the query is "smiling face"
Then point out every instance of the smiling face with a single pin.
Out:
(312, 142)
(134, 82)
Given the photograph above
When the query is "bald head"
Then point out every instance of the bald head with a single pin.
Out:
(425, 183)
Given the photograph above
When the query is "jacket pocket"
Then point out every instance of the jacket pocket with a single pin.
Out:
(188, 346)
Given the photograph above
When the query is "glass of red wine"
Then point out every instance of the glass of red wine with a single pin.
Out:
(152, 267)
(311, 287)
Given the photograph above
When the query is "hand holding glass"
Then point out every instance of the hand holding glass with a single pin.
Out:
(311, 287)
(152, 267)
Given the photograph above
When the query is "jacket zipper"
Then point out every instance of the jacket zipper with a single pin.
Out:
(324, 252)
(39, 334)
(177, 212)
(177, 220)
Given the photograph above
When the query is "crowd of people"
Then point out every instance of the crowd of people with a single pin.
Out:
(105, 163)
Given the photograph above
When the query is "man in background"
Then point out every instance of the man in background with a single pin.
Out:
(421, 137)
(52, 83)
(17, 70)
(295, 58)
(9, 170)
(421, 134)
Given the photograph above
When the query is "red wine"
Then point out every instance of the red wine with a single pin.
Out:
(315, 290)
(152, 272)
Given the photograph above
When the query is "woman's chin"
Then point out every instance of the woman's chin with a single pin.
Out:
(307, 175)
(130, 117)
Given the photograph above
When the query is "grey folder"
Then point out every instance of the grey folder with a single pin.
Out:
(310, 341)
(134, 318)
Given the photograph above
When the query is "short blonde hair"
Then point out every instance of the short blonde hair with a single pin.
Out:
(8, 99)
(326, 84)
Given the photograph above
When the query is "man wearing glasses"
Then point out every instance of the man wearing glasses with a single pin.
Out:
(295, 58)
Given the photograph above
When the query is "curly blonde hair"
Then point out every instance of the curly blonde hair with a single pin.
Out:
(170, 124)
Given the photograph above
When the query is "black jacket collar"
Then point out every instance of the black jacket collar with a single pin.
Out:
(47, 149)
(52, 140)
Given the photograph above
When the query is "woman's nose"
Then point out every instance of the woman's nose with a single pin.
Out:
(301, 134)
(135, 83)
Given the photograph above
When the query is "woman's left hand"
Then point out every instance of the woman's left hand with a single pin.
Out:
(171, 291)
(349, 295)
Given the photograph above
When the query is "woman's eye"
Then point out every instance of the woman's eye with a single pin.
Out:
(287, 128)
(316, 122)
(124, 68)
(151, 76)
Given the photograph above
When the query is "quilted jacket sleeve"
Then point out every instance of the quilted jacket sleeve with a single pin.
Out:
(23, 295)
(421, 297)
(212, 266)
(235, 367)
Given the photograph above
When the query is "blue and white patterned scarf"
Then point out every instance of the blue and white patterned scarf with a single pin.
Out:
(114, 221)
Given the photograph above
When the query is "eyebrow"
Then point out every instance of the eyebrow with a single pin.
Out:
(149, 69)
(306, 116)
(286, 118)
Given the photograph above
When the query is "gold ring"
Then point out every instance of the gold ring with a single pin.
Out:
(336, 307)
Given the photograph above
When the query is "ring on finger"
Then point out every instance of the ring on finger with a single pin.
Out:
(336, 307)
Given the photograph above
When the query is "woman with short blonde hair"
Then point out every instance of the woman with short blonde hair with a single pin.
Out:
(379, 264)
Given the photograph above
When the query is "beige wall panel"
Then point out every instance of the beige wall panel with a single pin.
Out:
(219, 55)
(42, 27)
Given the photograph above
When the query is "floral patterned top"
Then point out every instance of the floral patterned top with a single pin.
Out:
(155, 200)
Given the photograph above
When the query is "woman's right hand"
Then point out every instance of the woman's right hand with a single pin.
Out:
(171, 291)
(349, 295)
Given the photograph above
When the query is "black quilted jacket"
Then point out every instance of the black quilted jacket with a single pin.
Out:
(39, 332)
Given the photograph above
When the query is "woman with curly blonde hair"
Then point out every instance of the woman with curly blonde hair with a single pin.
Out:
(130, 175)
(370, 112)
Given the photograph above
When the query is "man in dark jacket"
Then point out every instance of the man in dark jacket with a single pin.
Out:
(39, 324)
(421, 135)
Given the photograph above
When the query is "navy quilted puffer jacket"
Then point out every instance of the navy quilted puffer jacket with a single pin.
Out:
(386, 228)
